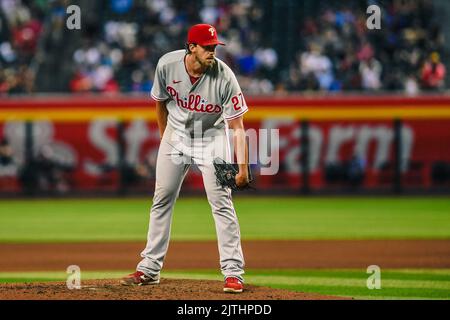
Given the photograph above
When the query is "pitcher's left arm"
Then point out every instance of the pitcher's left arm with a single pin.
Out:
(241, 150)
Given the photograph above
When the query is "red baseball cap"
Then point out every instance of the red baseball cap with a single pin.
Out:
(204, 35)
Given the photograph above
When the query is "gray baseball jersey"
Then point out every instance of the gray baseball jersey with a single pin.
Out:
(215, 97)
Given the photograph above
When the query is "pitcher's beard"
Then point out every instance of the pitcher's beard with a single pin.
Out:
(206, 66)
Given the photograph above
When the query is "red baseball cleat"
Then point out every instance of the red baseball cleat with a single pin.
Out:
(139, 279)
(233, 285)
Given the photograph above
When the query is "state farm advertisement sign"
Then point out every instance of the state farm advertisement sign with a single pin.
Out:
(92, 151)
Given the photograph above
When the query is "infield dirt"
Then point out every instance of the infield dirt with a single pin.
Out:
(304, 254)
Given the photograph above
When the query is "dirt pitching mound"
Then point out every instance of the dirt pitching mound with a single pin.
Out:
(168, 289)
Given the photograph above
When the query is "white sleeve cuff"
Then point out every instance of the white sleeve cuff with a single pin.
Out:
(237, 115)
(156, 98)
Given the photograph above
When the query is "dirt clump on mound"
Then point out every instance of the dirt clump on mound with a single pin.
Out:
(168, 289)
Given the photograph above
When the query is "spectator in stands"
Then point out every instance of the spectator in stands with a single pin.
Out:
(371, 74)
(433, 73)
(356, 168)
(314, 62)
(51, 171)
(80, 83)
(8, 166)
(411, 84)
(25, 34)
(147, 168)
(141, 173)
(45, 173)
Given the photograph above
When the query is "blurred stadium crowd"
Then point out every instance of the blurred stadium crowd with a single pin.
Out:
(121, 41)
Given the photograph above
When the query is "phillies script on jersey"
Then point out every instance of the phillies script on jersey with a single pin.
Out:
(193, 102)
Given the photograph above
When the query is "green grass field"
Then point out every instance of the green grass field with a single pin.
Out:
(270, 218)
(34, 221)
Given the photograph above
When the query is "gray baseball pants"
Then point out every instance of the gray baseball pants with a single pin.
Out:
(175, 156)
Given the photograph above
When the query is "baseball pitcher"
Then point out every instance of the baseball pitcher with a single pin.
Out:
(198, 100)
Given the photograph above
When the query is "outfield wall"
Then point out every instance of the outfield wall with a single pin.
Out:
(344, 135)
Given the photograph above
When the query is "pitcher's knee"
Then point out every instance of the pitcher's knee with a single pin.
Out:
(226, 213)
(164, 196)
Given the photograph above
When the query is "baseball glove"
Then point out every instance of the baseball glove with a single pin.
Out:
(226, 175)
